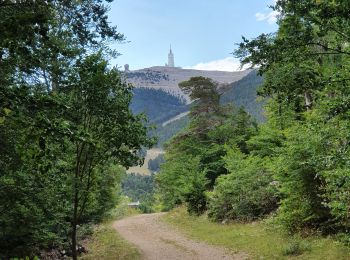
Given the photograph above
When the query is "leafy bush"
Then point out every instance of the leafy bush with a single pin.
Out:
(247, 193)
(195, 196)
(176, 179)
(298, 171)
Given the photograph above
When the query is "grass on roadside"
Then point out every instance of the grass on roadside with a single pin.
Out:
(259, 240)
(106, 243)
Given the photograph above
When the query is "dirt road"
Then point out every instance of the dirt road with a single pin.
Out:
(158, 241)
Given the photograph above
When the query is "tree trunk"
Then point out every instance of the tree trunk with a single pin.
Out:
(75, 205)
(74, 226)
(308, 100)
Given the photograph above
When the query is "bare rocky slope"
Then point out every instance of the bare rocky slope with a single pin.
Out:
(167, 78)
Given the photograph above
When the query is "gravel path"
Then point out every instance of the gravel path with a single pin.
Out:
(158, 241)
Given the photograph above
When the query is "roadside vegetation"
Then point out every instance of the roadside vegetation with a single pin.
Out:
(106, 243)
(66, 129)
(259, 239)
(295, 165)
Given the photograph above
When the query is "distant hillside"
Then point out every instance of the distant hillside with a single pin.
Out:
(157, 104)
(166, 132)
(161, 106)
(244, 93)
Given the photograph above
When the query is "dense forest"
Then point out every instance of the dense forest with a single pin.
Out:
(294, 167)
(65, 124)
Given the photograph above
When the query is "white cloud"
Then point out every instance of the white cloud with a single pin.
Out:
(270, 17)
(227, 64)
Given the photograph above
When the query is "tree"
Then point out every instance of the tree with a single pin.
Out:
(306, 71)
(204, 93)
(105, 129)
(194, 158)
(64, 122)
(236, 129)
(312, 35)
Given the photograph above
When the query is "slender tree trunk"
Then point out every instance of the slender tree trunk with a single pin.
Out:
(75, 219)
(74, 227)
(308, 100)
(279, 102)
(75, 203)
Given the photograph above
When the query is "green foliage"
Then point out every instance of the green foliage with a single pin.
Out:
(306, 76)
(302, 203)
(105, 193)
(65, 124)
(194, 158)
(180, 181)
(182, 176)
(175, 179)
(295, 247)
(195, 196)
(247, 193)
(140, 188)
(205, 111)
(236, 128)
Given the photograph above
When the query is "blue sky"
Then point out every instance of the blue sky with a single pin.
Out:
(202, 33)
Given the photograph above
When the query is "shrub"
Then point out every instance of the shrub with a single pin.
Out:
(295, 247)
(247, 193)
(302, 185)
(195, 197)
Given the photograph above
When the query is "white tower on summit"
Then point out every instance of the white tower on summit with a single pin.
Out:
(171, 58)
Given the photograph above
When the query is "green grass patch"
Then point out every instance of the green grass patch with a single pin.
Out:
(259, 239)
(106, 243)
